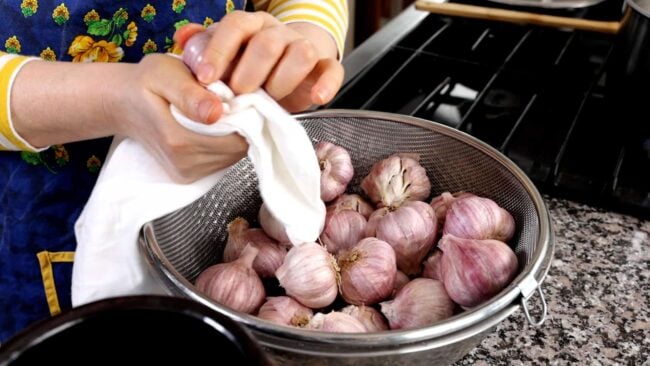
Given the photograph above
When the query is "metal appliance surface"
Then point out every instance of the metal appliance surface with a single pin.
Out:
(180, 245)
(541, 96)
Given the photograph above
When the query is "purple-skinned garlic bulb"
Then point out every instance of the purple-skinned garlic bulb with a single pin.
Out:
(336, 322)
(433, 266)
(343, 229)
(235, 284)
(367, 272)
(395, 180)
(441, 204)
(309, 274)
(335, 168)
(352, 202)
(410, 229)
(476, 217)
(475, 270)
(421, 302)
(285, 311)
(370, 317)
(400, 281)
(270, 256)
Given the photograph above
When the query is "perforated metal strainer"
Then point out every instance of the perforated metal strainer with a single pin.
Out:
(181, 244)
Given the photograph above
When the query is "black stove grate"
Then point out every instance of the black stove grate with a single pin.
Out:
(539, 95)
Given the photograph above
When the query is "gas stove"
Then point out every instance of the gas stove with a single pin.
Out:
(537, 94)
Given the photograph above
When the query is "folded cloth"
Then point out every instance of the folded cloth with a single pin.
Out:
(133, 189)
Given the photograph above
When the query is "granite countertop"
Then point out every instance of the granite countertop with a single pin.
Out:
(598, 296)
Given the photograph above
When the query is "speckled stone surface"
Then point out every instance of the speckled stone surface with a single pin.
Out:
(598, 295)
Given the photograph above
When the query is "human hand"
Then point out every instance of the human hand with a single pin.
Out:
(138, 102)
(296, 63)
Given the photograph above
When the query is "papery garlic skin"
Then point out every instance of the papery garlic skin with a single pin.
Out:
(309, 275)
(352, 202)
(367, 272)
(343, 229)
(473, 271)
(336, 170)
(479, 218)
(395, 180)
(235, 284)
(400, 281)
(410, 229)
(421, 302)
(285, 311)
(272, 227)
(370, 317)
(432, 266)
(270, 256)
(441, 204)
(336, 322)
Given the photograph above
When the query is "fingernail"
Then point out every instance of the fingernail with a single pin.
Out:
(205, 72)
(323, 95)
(205, 111)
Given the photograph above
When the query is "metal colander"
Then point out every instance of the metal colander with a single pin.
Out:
(181, 244)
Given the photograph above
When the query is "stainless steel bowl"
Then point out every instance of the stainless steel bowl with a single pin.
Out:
(181, 244)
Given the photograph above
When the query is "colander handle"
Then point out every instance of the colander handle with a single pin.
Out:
(527, 288)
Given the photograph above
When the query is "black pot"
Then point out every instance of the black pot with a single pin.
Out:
(629, 70)
(154, 329)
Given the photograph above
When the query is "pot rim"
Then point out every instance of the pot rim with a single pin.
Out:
(535, 270)
(643, 10)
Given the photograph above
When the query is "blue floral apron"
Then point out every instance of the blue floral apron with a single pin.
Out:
(42, 194)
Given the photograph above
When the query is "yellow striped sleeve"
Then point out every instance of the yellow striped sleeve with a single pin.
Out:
(331, 15)
(10, 65)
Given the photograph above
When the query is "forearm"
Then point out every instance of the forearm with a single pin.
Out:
(60, 102)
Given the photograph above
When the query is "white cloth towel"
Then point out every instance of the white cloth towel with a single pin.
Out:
(133, 189)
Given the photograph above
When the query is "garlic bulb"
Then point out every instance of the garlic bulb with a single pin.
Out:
(441, 204)
(475, 270)
(395, 180)
(285, 311)
(272, 227)
(476, 217)
(367, 272)
(309, 274)
(432, 266)
(270, 256)
(336, 322)
(410, 229)
(371, 318)
(352, 202)
(400, 281)
(343, 229)
(336, 170)
(234, 284)
(421, 302)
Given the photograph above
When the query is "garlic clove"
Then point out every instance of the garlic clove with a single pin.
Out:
(474, 217)
(343, 229)
(367, 272)
(410, 229)
(421, 302)
(441, 204)
(475, 270)
(336, 322)
(309, 274)
(370, 317)
(235, 284)
(433, 266)
(272, 227)
(285, 311)
(270, 256)
(352, 202)
(336, 169)
(395, 180)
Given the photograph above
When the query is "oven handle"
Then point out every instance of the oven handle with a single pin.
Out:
(512, 16)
